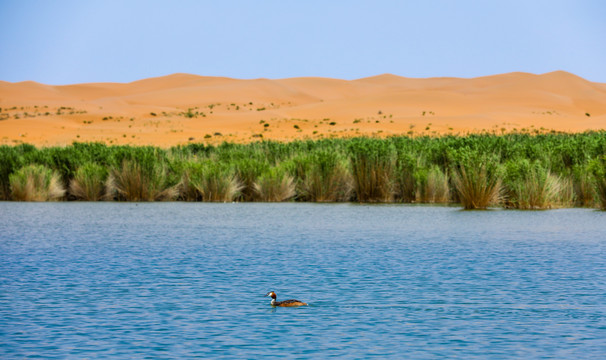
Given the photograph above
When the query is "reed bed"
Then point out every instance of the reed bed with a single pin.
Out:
(514, 171)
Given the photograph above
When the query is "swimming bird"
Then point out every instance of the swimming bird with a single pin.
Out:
(286, 303)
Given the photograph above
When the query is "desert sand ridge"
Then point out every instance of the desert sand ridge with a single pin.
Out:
(181, 108)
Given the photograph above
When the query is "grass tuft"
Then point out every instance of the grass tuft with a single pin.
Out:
(248, 171)
(405, 182)
(600, 188)
(275, 185)
(478, 183)
(530, 185)
(209, 181)
(373, 165)
(584, 187)
(323, 176)
(540, 190)
(132, 182)
(433, 186)
(36, 183)
(89, 182)
(597, 168)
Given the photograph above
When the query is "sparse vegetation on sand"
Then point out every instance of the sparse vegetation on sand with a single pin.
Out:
(519, 171)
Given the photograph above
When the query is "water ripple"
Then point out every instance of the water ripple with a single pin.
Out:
(165, 281)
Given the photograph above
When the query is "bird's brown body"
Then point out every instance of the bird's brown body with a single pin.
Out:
(285, 303)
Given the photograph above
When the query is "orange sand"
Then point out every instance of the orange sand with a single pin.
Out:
(297, 108)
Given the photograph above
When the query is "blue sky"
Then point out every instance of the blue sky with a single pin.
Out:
(64, 42)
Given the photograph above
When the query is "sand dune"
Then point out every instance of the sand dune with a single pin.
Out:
(182, 108)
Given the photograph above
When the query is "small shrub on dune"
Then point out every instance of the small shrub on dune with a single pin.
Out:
(210, 181)
(477, 182)
(323, 177)
(89, 182)
(275, 185)
(133, 182)
(36, 183)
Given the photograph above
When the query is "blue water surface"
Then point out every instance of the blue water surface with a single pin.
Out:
(187, 280)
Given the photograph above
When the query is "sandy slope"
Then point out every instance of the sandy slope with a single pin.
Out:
(181, 108)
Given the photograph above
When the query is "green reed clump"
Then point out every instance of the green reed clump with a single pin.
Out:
(404, 177)
(275, 185)
(583, 186)
(372, 167)
(36, 183)
(432, 185)
(540, 190)
(597, 167)
(248, 170)
(209, 181)
(12, 158)
(89, 182)
(477, 181)
(600, 185)
(132, 181)
(323, 176)
(187, 191)
(10, 161)
(566, 196)
(530, 185)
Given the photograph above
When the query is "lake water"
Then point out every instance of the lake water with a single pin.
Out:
(187, 280)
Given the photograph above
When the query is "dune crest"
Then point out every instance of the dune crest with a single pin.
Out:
(181, 108)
